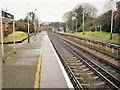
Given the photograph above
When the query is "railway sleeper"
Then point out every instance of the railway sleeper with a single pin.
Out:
(95, 77)
(82, 66)
(72, 67)
(76, 74)
(79, 78)
(86, 85)
(74, 57)
(73, 64)
(86, 69)
(73, 61)
(74, 70)
(99, 84)
(90, 73)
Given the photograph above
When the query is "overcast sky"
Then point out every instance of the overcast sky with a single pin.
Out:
(47, 10)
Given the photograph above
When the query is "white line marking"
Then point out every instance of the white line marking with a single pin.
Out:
(61, 66)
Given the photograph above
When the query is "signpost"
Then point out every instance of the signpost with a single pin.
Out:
(2, 46)
(9, 16)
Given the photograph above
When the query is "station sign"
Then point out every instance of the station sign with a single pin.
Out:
(7, 15)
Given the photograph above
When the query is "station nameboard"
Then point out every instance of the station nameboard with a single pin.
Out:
(7, 15)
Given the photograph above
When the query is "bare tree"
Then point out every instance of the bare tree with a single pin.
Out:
(109, 5)
(89, 10)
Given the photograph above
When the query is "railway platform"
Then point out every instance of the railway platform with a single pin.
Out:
(53, 74)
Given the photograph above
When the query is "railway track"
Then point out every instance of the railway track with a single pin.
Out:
(110, 64)
(94, 47)
(95, 52)
(83, 73)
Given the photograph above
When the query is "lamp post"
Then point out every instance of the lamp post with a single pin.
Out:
(76, 21)
(73, 18)
(28, 24)
(100, 32)
(111, 19)
(35, 22)
(76, 24)
(95, 30)
(111, 24)
(83, 19)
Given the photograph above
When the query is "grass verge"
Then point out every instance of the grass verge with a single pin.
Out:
(19, 36)
(104, 36)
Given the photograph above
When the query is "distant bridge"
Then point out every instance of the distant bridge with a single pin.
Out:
(47, 27)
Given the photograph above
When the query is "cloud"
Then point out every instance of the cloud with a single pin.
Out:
(48, 10)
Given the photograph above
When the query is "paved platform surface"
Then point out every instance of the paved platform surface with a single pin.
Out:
(20, 72)
(51, 73)
(20, 68)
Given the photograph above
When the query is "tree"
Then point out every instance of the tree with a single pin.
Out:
(89, 10)
(117, 19)
(78, 13)
(89, 13)
(21, 25)
(31, 20)
(67, 17)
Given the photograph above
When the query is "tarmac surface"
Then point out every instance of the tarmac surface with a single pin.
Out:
(20, 69)
(20, 73)
(51, 73)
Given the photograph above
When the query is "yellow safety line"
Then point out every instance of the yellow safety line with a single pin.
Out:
(37, 76)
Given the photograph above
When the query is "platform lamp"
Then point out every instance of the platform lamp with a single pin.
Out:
(73, 18)
(35, 21)
(83, 19)
(28, 24)
(112, 7)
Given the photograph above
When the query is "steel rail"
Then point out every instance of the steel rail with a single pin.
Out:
(73, 79)
(100, 71)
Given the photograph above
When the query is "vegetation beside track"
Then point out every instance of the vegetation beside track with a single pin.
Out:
(19, 36)
(96, 35)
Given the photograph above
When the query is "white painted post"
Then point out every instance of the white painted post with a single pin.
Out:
(2, 46)
(14, 35)
(76, 25)
(83, 21)
(111, 25)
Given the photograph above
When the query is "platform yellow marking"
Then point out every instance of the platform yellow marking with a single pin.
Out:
(37, 76)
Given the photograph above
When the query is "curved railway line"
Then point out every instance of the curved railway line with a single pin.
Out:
(84, 72)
